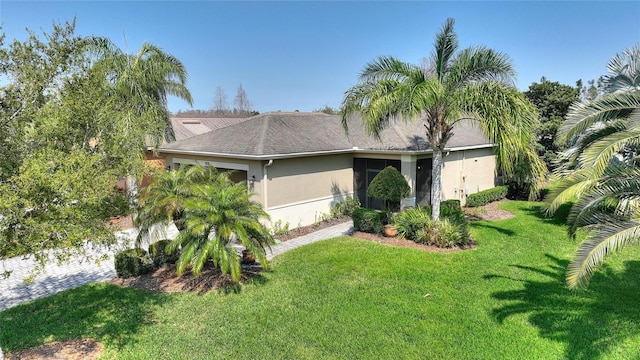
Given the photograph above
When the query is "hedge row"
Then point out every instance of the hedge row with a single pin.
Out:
(486, 196)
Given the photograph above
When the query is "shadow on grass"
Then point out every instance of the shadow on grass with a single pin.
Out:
(590, 323)
(558, 218)
(501, 230)
(107, 313)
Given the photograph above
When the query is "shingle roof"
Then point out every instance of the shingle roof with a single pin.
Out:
(186, 127)
(282, 133)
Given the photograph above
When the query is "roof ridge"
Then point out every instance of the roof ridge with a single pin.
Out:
(263, 135)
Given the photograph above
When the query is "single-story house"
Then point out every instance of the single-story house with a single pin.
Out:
(300, 164)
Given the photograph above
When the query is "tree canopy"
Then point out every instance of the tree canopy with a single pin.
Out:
(453, 85)
(76, 114)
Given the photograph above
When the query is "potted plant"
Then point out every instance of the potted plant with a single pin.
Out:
(390, 186)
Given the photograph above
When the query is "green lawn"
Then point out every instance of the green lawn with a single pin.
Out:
(349, 298)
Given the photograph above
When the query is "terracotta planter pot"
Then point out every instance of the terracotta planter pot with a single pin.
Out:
(390, 231)
(248, 257)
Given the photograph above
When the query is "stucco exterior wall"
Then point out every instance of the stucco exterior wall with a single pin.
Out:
(301, 190)
(468, 171)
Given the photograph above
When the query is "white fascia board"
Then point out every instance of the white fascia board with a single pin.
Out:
(254, 157)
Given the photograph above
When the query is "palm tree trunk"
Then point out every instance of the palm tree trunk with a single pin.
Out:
(436, 183)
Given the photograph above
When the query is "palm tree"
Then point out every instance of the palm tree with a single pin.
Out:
(601, 170)
(611, 211)
(143, 81)
(602, 131)
(162, 201)
(471, 83)
(216, 214)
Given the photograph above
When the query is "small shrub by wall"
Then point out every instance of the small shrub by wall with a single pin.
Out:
(368, 220)
(486, 196)
(411, 223)
(133, 262)
(159, 254)
(346, 207)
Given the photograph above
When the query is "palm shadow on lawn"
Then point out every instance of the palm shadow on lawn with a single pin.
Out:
(107, 313)
(591, 323)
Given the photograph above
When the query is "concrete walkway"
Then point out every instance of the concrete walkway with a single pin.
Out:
(56, 278)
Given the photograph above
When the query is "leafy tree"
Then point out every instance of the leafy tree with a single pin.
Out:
(389, 185)
(328, 110)
(552, 100)
(471, 83)
(74, 119)
(600, 171)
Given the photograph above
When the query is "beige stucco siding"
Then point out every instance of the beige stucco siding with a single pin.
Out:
(467, 172)
(302, 179)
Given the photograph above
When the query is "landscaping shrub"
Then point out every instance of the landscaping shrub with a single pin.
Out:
(443, 233)
(368, 220)
(417, 225)
(486, 196)
(411, 223)
(133, 262)
(159, 253)
(345, 208)
(391, 186)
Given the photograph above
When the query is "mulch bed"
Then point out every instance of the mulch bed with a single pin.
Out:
(78, 349)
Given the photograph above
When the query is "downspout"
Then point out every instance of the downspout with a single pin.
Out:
(264, 183)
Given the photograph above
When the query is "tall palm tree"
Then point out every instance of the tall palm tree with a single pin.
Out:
(475, 82)
(601, 169)
(143, 80)
(216, 215)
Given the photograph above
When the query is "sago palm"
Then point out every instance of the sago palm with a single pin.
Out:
(475, 83)
(217, 215)
(162, 201)
(600, 172)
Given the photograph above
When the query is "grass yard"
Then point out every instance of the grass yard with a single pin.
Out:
(349, 298)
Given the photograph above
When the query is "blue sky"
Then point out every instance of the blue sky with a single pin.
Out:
(301, 55)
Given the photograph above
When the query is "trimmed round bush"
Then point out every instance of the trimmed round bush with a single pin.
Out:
(368, 220)
(159, 255)
(133, 262)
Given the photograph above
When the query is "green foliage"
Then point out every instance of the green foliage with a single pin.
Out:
(159, 254)
(506, 299)
(368, 220)
(133, 262)
(57, 202)
(279, 228)
(346, 207)
(73, 121)
(210, 211)
(453, 83)
(486, 196)
(389, 185)
(411, 223)
(600, 170)
(552, 101)
(450, 207)
(417, 225)
(443, 233)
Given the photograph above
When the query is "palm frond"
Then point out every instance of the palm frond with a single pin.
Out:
(446, 44)
(610, 107)
(480, 63)
(609, 238)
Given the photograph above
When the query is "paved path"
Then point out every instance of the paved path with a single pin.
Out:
(56, 278)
